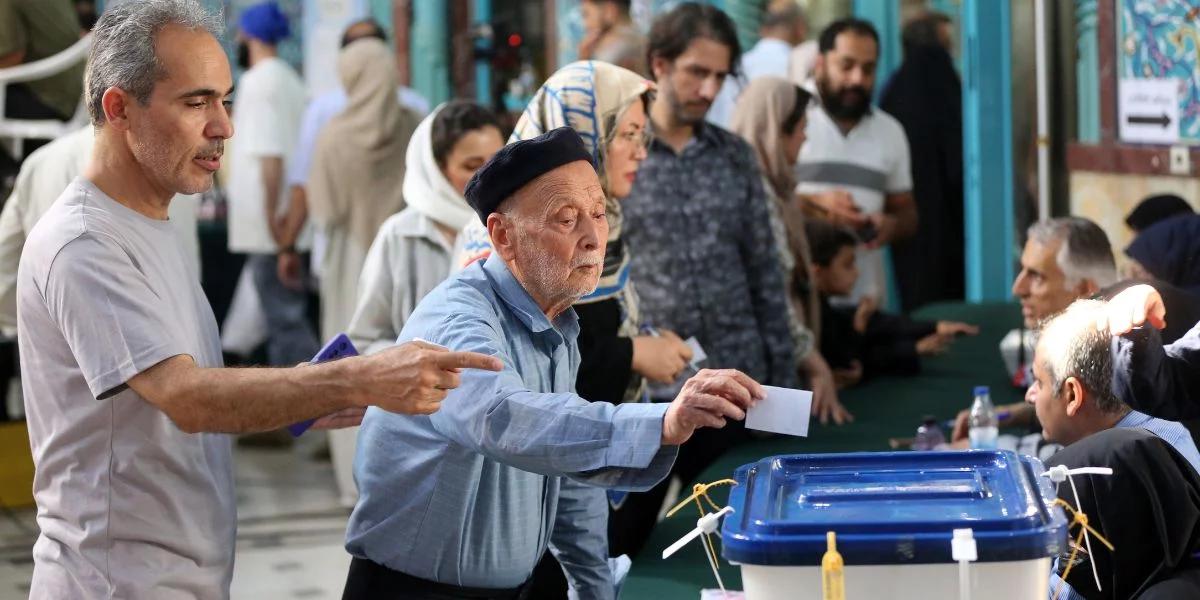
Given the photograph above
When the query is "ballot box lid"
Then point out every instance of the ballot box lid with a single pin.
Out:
(891, 508)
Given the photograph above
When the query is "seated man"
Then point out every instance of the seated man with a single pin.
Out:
(1072, 390)
(464, 502)
(1064, 259)
(1149, 509)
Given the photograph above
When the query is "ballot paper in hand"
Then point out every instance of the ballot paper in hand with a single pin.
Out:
(782, 411)
(698, 354)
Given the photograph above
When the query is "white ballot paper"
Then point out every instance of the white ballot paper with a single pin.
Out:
(698, 354)
(782, 411)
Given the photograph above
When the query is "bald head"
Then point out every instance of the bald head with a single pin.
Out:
(551, 232)
(784, 20)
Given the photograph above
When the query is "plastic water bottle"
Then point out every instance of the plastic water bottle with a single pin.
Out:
(984, 425)
(929, 435)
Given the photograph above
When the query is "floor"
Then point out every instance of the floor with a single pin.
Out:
(290, 529)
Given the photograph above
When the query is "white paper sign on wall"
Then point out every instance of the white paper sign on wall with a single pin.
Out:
(1148, 110)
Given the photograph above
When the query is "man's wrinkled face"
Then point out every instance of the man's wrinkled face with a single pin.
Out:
(845, 75)
(560, 233)
(178, 136)
(1041, 286)
(691, 82)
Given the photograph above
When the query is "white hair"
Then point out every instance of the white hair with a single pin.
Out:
(122, 54)
(1072, 346)
(1085, 252)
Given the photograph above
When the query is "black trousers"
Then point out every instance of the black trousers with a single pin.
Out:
(369, 580)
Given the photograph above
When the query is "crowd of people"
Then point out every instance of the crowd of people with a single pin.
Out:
(530, 314)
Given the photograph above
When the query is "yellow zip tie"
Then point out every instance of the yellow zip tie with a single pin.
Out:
(1079, 518)
(833, 576)
(700, 490)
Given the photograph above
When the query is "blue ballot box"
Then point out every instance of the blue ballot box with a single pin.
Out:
(894, 514)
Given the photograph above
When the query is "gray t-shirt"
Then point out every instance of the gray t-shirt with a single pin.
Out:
(129, 505)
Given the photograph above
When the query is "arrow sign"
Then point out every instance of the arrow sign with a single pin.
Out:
(1149, 110)
(1162, 120)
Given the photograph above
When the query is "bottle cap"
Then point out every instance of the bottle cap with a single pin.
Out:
(981, 390)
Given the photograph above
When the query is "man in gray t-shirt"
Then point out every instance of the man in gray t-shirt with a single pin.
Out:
(104, 293)
(126, 399)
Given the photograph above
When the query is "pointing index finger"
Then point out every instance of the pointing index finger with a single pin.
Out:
(467, 360)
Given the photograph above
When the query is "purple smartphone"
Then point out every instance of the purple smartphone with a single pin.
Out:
(338, 347)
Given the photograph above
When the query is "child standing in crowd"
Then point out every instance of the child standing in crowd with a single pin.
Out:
(861, 341)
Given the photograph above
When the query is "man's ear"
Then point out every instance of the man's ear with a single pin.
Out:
(1086, 288)
(500, 230)
(659, 67)
(115, 102)
(1073, 395)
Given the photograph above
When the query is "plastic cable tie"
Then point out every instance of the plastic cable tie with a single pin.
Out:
(962, 546)
(1059, 473)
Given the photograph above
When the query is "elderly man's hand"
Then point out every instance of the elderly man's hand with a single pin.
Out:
(1131, 308)
(413, 378)
(706, 400)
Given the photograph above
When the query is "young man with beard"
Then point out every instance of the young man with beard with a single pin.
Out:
(697, 221)
(854, 168)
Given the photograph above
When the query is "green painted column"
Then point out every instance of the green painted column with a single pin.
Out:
(1087, 72)
(430, 48)
(885, 16)
(747, 15)
(988, 149)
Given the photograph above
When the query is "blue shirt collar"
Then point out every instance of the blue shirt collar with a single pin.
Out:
(522, 304)
(1133, 419)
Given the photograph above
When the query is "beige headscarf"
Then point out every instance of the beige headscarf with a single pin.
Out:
(758, 118)
(359, 162)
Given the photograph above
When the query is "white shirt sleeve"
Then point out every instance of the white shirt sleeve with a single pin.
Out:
(899, 178)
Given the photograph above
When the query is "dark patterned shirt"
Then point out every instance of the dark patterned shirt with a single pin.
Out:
(704, 258)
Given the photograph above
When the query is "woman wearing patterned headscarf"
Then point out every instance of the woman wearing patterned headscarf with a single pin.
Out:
(607, 106)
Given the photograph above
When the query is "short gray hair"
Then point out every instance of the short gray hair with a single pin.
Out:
(1076, 348)
(122, 53)
(1085, 252)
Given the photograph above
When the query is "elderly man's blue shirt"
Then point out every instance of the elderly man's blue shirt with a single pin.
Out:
(473, 494)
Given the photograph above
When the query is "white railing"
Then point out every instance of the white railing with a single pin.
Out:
(16, 131)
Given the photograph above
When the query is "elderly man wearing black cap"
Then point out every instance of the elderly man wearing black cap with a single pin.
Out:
(463, 503)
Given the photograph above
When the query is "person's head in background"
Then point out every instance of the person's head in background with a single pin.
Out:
(1072, 376)
(86, 11)
(1156, 208)
(845, 69)
(929, 29)
(1064, 259)
(771, 117)
(260, 29)
(599, 16)
(691, 51)
(362, 28)
(464, 135)
(157, 88)
(784, 20)
(835, 267)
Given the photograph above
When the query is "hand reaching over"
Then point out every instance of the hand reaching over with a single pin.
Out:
(707, 400)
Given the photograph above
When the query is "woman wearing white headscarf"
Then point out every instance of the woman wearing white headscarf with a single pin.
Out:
(411, 254)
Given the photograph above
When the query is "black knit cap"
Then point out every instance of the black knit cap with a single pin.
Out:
(519, 163)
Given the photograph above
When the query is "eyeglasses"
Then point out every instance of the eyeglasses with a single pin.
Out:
(632, 139)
